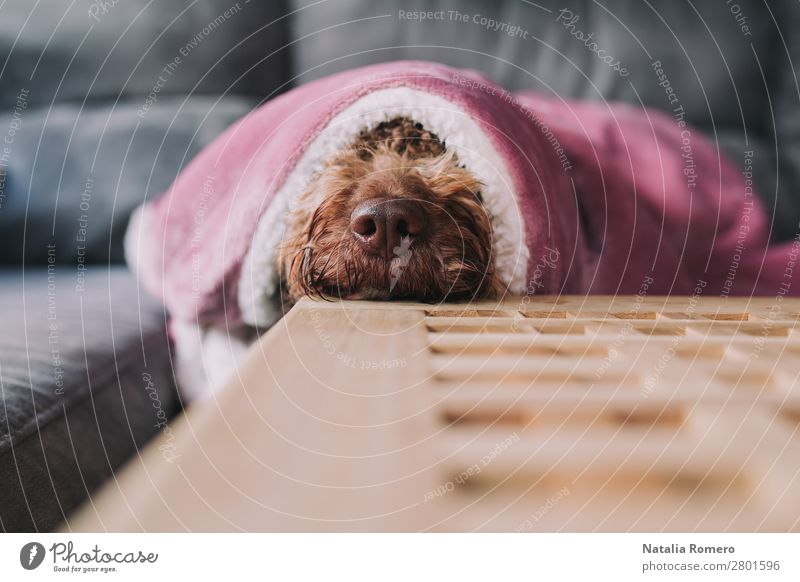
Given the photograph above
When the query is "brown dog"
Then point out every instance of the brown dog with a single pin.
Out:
(392, 216)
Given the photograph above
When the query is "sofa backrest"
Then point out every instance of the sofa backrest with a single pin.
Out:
(104, 101)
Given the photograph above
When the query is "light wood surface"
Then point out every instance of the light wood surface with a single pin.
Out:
(534, 414)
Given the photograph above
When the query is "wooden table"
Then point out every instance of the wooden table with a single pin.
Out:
(530, 414)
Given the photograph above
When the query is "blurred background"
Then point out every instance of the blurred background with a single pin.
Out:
(104, 101)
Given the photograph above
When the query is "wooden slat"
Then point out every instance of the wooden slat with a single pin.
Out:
(529, 414)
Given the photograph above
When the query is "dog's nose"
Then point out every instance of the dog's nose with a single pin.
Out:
(380, 226)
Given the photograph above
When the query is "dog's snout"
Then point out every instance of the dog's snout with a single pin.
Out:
(380, 226)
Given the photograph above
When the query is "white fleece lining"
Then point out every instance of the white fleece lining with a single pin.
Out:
(136, 236)
(259, 282)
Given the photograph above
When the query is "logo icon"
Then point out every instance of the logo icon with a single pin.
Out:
(31, 555)
(403, 254)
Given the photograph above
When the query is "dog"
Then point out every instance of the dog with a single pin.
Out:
(416, 181)
(392, 216)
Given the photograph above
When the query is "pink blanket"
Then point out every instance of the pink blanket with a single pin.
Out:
(584, 197)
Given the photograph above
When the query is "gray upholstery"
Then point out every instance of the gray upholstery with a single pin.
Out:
(124, 93)
(85, 379)
(101, 104)
(92, 50)
(99, 162)
(730, 81)
(97, 115)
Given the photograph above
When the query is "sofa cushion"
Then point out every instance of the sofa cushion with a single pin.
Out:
(107, 100)
(75, 174)
(85, 380)
(100, 50)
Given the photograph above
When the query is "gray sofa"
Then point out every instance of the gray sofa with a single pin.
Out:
(96, 125)
(103, 102)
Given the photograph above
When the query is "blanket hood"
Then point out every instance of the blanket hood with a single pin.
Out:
(207, 247)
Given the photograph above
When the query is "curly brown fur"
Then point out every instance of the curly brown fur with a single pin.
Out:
(396, 160)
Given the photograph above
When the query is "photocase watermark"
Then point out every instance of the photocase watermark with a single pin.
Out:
(167, 448)
(744, 228)
(53, 341)
(679, 115)
(783, 290)
(169, 69)
(548, 261)
(537, 515)
(100, 8)
(738, 15)
(197, 233)
(81, 237)
(67, 558)
(161, 82)
(14, 126)
(508, 97)
(31, 555)
(788, 271)
(345, 359)
(473, 470)
(384, 364)
(654, 376)
(569, 20)
(490, 24)
(622, 334)
(402, 256)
